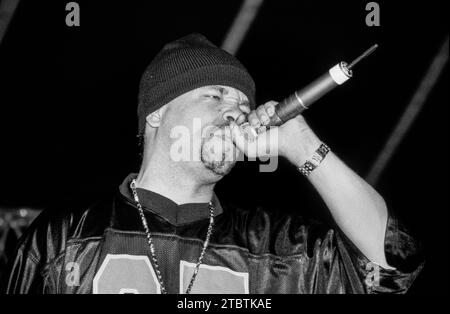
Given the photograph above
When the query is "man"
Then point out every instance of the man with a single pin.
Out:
(165, 231)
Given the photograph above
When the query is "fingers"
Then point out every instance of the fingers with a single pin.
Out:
(254, 145)
(263, 145)
(270, 107)
(262, 114)
(253, 119)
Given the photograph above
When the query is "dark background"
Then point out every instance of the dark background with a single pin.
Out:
(68, 101)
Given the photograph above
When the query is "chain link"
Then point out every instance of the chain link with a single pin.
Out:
(152, 247)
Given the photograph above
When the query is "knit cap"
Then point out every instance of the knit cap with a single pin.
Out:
(184, 65)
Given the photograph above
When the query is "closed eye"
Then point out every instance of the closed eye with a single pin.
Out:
(215, 97)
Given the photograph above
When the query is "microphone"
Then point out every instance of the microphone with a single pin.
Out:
(302, 99)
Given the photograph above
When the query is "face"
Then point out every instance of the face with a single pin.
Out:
(203, 114)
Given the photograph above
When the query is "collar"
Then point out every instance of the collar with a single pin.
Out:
(168, 209)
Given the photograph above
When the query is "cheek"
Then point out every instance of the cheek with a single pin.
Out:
(196, 122)
(181, 129)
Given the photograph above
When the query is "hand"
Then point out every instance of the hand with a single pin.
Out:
(294, 139)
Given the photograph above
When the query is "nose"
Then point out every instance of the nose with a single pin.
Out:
(236, 114)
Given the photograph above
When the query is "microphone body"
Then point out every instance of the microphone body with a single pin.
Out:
(302, 99)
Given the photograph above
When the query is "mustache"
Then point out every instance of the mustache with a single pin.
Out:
(218, 124)
(211, 131)
(223, 124)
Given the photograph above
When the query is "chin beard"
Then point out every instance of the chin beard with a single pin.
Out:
(218, 154)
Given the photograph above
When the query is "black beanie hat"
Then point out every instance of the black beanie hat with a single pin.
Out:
(186, 64)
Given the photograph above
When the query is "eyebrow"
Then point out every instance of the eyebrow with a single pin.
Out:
(220, 89)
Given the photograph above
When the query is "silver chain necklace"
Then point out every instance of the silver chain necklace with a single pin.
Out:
(152, 247)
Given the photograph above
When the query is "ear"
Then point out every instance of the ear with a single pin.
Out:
(154, 119)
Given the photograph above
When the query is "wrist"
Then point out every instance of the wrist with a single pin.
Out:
(304, 147)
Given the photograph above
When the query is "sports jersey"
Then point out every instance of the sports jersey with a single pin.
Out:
(103, 249)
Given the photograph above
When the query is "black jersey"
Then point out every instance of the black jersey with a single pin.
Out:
(103, 249)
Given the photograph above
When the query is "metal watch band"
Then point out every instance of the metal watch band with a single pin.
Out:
(314, 161)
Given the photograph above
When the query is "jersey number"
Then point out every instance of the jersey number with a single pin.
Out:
(123, 273)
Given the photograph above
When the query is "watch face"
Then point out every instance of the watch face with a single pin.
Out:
(323, 150)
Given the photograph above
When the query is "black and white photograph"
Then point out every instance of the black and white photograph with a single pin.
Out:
(223, 148)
